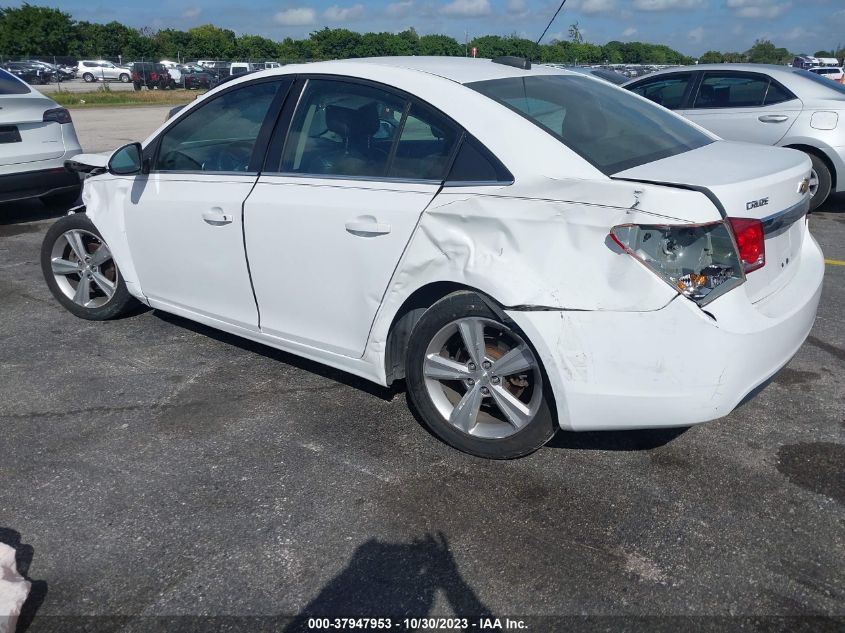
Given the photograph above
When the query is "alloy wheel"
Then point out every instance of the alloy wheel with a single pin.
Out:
(84, 268)
(483, 378)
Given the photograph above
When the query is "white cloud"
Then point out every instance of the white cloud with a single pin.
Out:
(299, 16)
(629, 32)
(336, 13)
(518, 8)
(399, 10)
(667, 5)
(191, 13)
(467, 8)
(767, 9)
(591, 7)
(796, 34)
(696, 35)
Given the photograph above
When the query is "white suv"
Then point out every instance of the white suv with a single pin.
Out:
(102, 70)
(36, 137)
(830, 72)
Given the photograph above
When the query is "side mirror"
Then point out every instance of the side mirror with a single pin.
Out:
(126, 160)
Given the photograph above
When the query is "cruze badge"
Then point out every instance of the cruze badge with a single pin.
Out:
(762, 202)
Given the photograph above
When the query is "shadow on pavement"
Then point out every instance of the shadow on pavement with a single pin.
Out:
(28, 211)
(640, 440)
(395, 580)
(23, 559)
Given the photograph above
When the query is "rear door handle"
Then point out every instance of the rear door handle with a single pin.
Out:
(359, 227)
(772, 118)
(216, 217)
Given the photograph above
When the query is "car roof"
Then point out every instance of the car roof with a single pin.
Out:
(458, 69)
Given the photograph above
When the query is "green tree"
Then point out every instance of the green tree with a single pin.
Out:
(823, 54)
(575, 35)
(440, 45)
(256, 48)
(31, 30)
(711, 57)
(764, 52)
(335, 43)
(210, 42)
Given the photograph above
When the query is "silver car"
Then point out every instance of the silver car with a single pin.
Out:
(92, 70)
(773, 105)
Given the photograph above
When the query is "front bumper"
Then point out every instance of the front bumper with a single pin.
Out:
(675, 366)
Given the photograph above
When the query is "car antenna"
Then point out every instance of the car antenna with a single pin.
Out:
(549, 25)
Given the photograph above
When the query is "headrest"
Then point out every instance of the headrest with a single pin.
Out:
(348, 122)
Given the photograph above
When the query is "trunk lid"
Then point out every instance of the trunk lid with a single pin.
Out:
(749, 181)
(38, 140)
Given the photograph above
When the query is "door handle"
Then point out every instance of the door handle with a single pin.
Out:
(772, 118)
(366, 227)
(216, 217)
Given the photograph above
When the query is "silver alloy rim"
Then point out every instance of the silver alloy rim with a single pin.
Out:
(814, 183)
(483, 378)
(83, 268)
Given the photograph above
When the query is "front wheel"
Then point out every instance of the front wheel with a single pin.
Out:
(80, 271)
(820, 182)
(476, 380)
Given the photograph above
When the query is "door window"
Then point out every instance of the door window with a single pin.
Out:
(667, 91)
(342, 129)
(731, 91)
(424, 147)
(221, 134)
(777, 94)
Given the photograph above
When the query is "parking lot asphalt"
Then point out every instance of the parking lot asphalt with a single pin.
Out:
(151, 466)
(106, 129)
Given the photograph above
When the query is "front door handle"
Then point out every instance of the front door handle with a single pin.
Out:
(216, 217)
(367, 227)
(772, 118)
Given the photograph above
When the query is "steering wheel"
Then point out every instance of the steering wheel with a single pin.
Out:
(386, 129)
(233, 157)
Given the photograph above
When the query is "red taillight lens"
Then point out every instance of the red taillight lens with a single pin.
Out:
(750, 242)
(59, 115)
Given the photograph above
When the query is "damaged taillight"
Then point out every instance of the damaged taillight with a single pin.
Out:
(699, 261)
(750, 241)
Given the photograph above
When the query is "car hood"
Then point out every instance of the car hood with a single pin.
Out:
(738, 174)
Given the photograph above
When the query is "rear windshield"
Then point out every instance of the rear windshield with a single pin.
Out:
(610, 128)
(11, 85)
(823, 81)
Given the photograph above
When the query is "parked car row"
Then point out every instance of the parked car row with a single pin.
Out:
(33, 71)
(513, 242)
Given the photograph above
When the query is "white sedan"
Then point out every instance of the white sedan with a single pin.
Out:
(528, 248)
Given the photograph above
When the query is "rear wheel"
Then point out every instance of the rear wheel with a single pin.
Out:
(476, 380)
(88, 78)
(80, 271)
(137, 85)
(124, 78)
(820, 182)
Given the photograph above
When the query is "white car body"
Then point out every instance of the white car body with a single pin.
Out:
(620, 346)
(35, 143)
(836, 73)
(102, 70)
(173, 70)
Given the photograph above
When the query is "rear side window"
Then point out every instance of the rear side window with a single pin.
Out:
(609, 128)
(731, 91)
(667, 91)
(424, 147)
(777, 94)
(475, 164)
(11, 85)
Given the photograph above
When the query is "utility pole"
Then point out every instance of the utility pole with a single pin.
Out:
(466, 43)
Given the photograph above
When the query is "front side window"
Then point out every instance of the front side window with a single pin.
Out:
(219, 135)
(343, 129)
(609, 128)
(667, 91)
(731, 91)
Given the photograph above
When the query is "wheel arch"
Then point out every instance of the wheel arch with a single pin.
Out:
(815, 151)
(409, 313)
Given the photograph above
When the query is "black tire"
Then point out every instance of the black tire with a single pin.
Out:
(63, 200)
(137, 85)
(120, 303)
(88, 78)
(460, 305)
(825, 182)
(124, 78)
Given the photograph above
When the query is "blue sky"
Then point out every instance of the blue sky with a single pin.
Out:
(691, 26)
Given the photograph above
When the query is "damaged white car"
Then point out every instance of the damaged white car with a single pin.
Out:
(528, 248)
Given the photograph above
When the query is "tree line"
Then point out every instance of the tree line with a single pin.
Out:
(31, 30)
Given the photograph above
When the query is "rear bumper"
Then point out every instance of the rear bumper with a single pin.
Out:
(37, 183)
(675, 366)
